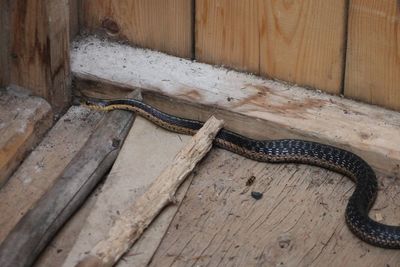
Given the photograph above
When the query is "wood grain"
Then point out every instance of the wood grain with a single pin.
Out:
(40, 49)
(36, 228)
(132, 222)
(4, 42)
(299, 221)
(303, 42)
(161, 25)
(297, 41)
(41, 168)
(74, 26)
(24, 120)
(133, 172)
(250, 105)
(227, 33)
(373, 52)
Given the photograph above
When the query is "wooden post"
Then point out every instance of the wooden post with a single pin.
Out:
(39, 49)
(4, 42)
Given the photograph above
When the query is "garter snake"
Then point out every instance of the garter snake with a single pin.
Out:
(285, 151)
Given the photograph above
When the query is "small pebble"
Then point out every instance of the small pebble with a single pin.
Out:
(256, 195)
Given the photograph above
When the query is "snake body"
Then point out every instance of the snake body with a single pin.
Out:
(286, 151)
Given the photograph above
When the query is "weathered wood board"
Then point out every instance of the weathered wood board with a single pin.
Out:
(299, 221)
(161, 25)
(38, 226)
(24, 119)
(304, 42)
(146, 152)
(74, 8)
(39, 49)
(40, 169)
(4, 43)
(301, 42)
(252, 106)
(373, 52)
(227, 33)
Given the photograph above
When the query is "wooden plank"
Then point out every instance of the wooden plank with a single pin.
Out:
(40, 169)
(373, 52)
(24, 120)
(74, 6)
(4, 42)
(161, 25)
(252, 106)
(36, 228)
(227, 33)
(299, 221)
(40, 49)
(123, 186)
(129, 226)
(301, 42)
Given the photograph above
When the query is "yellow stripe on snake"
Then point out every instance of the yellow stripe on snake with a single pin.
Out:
(286, 151)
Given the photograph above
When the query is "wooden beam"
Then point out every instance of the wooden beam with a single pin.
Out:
(4, 42)
(161, 25)
(135, 219)
(40, 49)
(40, 169)
(24, 120)
(252, 106)
(373, 52)
(38, 226)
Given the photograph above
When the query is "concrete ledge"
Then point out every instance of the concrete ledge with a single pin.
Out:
(250, 105)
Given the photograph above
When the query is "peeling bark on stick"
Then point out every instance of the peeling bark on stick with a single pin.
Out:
(129, 227)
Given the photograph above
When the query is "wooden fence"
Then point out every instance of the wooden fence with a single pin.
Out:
(349, 47)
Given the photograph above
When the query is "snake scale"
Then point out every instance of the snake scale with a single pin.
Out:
(285, 151)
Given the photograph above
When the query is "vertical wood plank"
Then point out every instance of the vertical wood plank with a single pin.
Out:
(164, 25)
(227, 33)
(73, 18)
(4, 42)
(40, 49)
(373, 52)
(303, 42)
(297, 41)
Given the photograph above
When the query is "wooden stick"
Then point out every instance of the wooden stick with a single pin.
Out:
(38, 226)
(129, 227)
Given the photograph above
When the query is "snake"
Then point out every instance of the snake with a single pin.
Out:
(284, 151)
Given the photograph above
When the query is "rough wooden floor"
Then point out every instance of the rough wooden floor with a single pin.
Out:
(298, 222)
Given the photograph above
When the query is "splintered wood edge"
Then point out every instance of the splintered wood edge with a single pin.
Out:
(36, 124)
(250, 105)
(133, 221)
